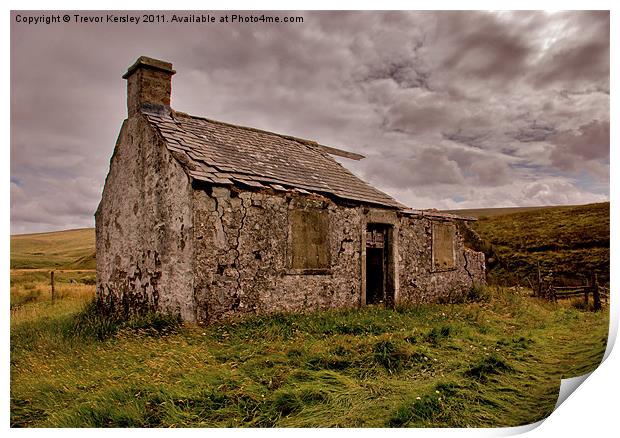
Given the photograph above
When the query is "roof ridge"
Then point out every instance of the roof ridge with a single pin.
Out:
(249, 128)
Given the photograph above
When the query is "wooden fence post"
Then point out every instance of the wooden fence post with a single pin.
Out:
(52, 283)
(596, 297)
(539, 280)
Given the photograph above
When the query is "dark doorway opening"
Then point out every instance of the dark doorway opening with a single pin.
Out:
(379, 281)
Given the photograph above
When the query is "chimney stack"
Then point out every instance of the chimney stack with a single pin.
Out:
(148, 81)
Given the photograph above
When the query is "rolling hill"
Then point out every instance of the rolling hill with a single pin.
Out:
(570, 242)
(70, 249)
(479, 213)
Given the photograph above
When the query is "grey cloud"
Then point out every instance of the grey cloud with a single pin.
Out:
(534, 132)
(588, 142)
(580, 55)
(482, 46)
(420, 113)
(428, 167)
(585, 62)
(446, 105)
(491, 172)
(483, 168)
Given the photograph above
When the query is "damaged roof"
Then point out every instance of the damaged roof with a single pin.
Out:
(434, 213)
(220, 153)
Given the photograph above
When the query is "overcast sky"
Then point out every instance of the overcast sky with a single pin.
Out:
(451, 109)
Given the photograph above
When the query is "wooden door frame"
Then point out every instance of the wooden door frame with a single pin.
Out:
(389, 219)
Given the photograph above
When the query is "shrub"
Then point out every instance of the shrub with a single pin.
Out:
(92, 323)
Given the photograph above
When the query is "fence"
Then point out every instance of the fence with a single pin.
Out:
(597, 291)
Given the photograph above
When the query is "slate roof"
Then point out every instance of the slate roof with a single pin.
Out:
(221, 153)
(433, 213)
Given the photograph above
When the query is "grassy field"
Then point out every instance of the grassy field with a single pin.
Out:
(72, 249)
(570, 242)
(73, 288)
(496, 362)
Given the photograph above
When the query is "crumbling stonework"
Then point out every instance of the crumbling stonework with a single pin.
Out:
(241, 262)
(241, 247)
(419, 280)
(144, 227)
(220, 252)
(211, 221)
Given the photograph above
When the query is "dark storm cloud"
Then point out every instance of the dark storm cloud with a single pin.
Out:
(451, 108)
(580, 54)
(534, 132)
(588, 142)
(481, 46)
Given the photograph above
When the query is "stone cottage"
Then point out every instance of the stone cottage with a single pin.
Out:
(209, 220)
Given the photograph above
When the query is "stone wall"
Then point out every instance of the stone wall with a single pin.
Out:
(242, 247)
(242, 257)
(144, 229)
(420, 280)
(209, 253)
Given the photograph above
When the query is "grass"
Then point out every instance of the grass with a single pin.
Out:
(496, 362)
(31, 293)
(569, 242)
(71, 249)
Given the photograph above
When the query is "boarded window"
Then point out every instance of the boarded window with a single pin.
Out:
(309, 239)
(443, 246)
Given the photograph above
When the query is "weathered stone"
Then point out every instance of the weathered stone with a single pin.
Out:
(149, 248)
(171, 243)
(148, 82)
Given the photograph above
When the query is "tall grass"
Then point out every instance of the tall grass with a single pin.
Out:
(488, 363)
(31, 297)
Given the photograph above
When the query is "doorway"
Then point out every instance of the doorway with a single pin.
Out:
(379, 265)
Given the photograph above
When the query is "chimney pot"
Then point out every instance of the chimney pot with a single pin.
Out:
(148, 82)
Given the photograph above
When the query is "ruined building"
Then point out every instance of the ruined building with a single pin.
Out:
(210, 220)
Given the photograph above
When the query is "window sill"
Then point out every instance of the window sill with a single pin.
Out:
(440, 270)
(309, 271)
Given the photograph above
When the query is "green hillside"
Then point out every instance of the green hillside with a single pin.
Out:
(570, 241)
(490, 212)
(71, 249)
